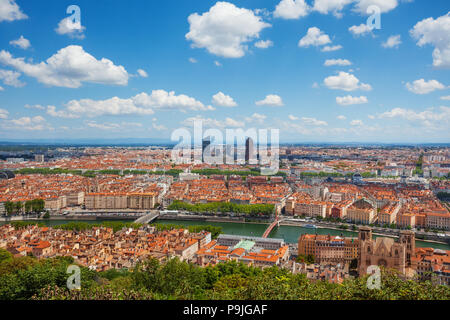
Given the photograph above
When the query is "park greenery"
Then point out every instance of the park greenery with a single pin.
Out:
(224, 207)
(119, 225)
(25, 278)
(242, 173)
(31, 206)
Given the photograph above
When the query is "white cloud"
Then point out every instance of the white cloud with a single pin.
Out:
(11, 78)
(4, 114)
(21, 43)
(225, 29)
(314, 121)
(142, 73)
(264, 44)
(360, 30)
(423, 87)
(314, 37)
(341, 117)
(158, 127)
(214, 123)
(291, 9)
(37, 123)
(271, 100)
(445, 98)
(141, 104)
(337, 62)
(331, 48)
(350, 100)
(392, 42)
(102, 126)
(10, 11)
(384, 5)
(327, 6)
(1, 88)
(73, 29)
(223, 100)
(293, 118)
(193, 60)
(426, 117)
(315, 85)
(36, 106)
(217, 63)
(69, 67)
(256, 117)
(435, 32)
(345, 81)
(356, 123)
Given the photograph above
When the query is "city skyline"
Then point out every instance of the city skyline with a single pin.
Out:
(310, 69)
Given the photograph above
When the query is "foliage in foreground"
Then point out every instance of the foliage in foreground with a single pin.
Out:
(28, 278)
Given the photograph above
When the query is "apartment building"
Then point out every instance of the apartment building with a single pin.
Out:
(361, 212)
(388, 214)
(437, 220)
(328, 249)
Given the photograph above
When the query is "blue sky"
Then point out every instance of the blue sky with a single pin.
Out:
(264, 61)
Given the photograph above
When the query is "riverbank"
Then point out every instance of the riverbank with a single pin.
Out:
(290, 233)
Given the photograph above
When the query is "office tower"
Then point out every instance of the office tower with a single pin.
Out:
(249, 151)
(205, 143)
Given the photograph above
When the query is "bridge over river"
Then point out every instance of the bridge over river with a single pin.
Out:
(148, 218)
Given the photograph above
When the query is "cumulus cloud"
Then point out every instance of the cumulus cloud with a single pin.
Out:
(256, 117)
(142, 73)
(445, 98)
(11, 78)
(314, 122)
(4, 114)
(423, 87)
(37, 123)
(426, 117)
(392, 42)
(214, 123)
(271, 100)
(264, 44)
(193, 60)
(291, 9)
(360, 6)
(10, 11)
(350, 100)
(435, 32)
(314, 37)
(356, 123)
(345, 81)
(334, 6)
(293, 118)
(73, 29)
(361, 30)
(341, 117)
(384, 5)
(225, 29)
(21, 43)
(223, 100)
(69, 67)
(331, 48)
(141, 104)
(217, 63)
(337, 62)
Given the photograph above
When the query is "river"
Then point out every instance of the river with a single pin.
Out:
(290, 234)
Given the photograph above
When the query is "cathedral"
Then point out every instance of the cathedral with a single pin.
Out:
(385, 252)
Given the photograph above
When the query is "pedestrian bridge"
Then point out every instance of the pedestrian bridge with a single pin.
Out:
(273, 225)
(148, 218)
